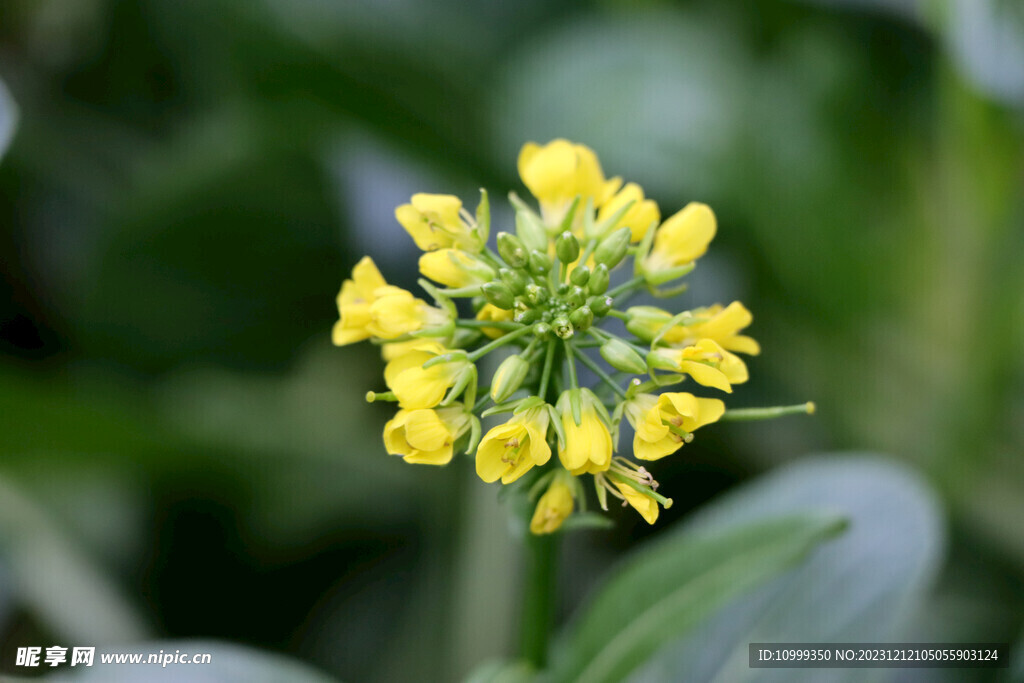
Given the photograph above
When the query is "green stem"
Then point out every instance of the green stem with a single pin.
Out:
(498, 343)
(626, 286)
(496, 324)
(570, 362)
(738, 414)
(545, 375)
(618, 314)
(539, 598)
(596, 369)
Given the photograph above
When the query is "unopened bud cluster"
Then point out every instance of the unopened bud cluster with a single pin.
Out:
(543, 291)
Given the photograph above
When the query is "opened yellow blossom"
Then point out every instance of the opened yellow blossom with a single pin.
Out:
(713, 322)
(417, 387)
(663, 422)
(647, 507)
(455, 268)
(682, 238)
(708, 363)
(588, 445)
(638, 218)
(425, 436)
(393, 350)
(560, 171)
(552, 509)
(437, 221)
(370, 307)
(510, 450)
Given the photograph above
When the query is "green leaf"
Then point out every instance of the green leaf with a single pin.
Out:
(670, 587)
(499, 671)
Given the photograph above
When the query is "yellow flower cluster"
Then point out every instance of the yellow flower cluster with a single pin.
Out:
(543, 291)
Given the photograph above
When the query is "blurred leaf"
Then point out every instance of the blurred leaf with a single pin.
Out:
(667, 589)
(863, 587)
(8, 118)
(501, 672)
(56, 583)
(228, 664)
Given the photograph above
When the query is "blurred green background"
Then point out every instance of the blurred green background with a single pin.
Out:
(184, 455)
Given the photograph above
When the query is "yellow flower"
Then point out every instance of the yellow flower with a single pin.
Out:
(493, 313)
(647, 507)
(455, 268)
(552, 509)
(370, 307)
(416, 387)
(436, 221)
(682, 238)
(425, 436)
(560, 171)
(393, 350)
(638, 218)
(588, 445)
(714, 322)
(708, 363)
(508, 451)
(662, 422)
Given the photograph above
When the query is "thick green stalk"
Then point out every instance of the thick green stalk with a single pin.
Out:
(539, 598)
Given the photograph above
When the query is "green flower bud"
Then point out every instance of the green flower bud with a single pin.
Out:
(600, 305)
(579, 276)
(613, 248)
(541, 329)
(507, 378)
(528, 317)
(512, 250)
(562, 289)
(661, 361)
(582, 318)
(576, 297)
(499, 294)
(622, 356)
(567, 247)
(513, 278)
(562, 326)
(531, 232)
(536, 294)
(540, 263)
(599, 279)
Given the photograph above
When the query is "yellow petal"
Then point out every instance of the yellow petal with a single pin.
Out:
(552, 509)
(647, 507)
(424, 431)
(683, 237)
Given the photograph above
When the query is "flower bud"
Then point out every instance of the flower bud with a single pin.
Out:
(613, 248)
(599, 279)
(567, 247)
(536, 294)
(513, 278)
(499, 294)
(562, 326)
(576, 297)
(582, 318)
(531, 232)
(600, 305)
(622, 356)
(541, 329)
(661, 361)
(540, 263)
(579, 276)
(528, 317)
(512, 250)
(507, 378)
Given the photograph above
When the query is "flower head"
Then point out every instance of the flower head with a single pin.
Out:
(662, 423)
(425, 436)
(559, 172)
(708, 363)
(681, 239)
(638, 217)
(553, 508)
(438, 221)
(417, 387)
(588, 443)
(370, 307)
(510, 450)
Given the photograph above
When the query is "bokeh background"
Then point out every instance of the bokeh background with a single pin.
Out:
(184, 455)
